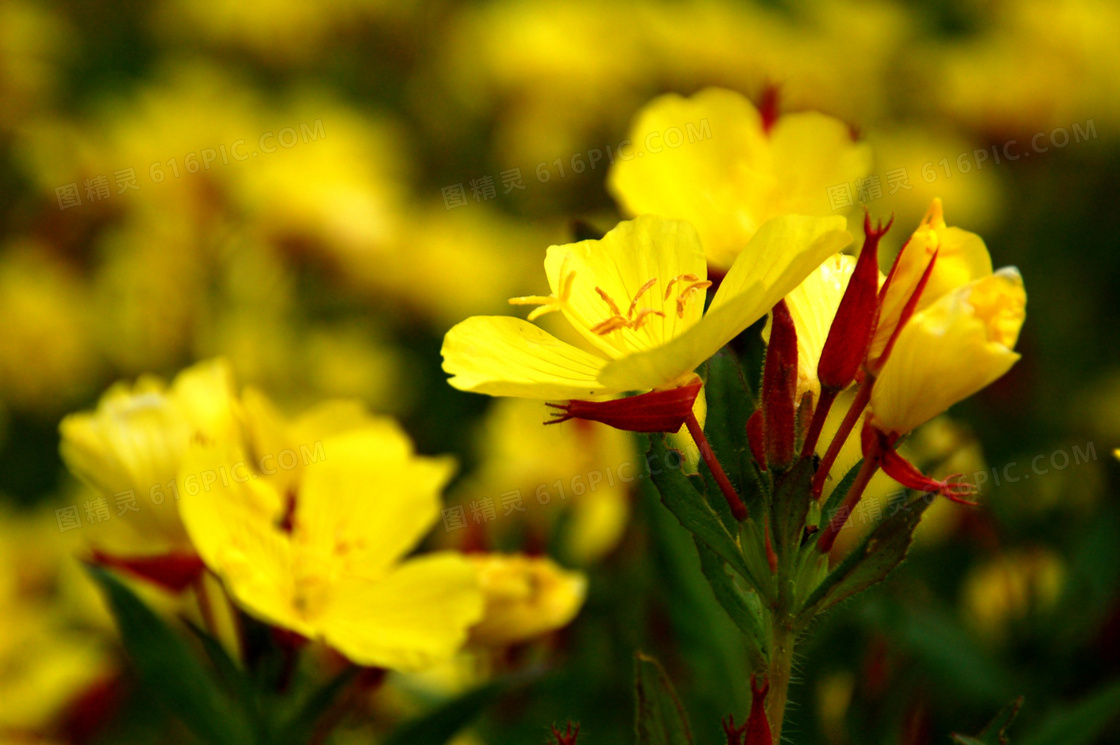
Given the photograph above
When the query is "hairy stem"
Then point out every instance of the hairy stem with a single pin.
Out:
(778, 675)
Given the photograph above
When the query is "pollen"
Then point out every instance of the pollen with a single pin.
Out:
(631, 320)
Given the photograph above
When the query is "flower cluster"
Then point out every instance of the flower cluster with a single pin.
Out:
(895, 349)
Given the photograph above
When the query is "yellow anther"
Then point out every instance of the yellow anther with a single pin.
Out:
(643, 314)
(611, 324)
(682, 278)
(641, 291)
(607, 299)
(688, 292)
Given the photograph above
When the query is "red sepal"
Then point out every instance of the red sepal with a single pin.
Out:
(907, 474)
(853, 327)
(568, 737)
(758, 728)
(656, 411)
(173, 571)
(779, 388)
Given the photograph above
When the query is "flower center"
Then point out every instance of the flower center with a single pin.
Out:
(689, 285)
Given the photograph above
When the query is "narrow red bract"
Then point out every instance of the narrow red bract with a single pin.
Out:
(854, 324)
(779, 388)
(656, 411)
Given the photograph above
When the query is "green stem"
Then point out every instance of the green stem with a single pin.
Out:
(781, 668)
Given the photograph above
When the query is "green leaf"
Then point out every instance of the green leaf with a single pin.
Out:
(692, 510)
(730, 404)
(744, 607)
(875, 558)
(841, 491)
(1081, 723)
(442, 724)
(790, 507)
(169, 670)
(660, 718)
(236, 681)
(995, 732)
(299, 729)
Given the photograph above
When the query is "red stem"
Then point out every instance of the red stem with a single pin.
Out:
(851, 499)
(828, 395)
(863, 396)
(738, 509)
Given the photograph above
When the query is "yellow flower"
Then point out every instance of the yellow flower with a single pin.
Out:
(729, 172)
(961, 258)
(136, 441)
(324, 556)
(949, 351)
(526, 597)
(637, 298)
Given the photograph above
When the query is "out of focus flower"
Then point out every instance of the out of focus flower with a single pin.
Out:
(525, 598)
(636, 296)
(718, 162)
(33, 41)
(47, 352)
(131, 450)
(536, 475)
(1011, 589)
(1037, 66)
(322, 554)
(47, 660)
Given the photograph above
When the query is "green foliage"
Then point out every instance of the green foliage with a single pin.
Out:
(170, 671)
(660, 718)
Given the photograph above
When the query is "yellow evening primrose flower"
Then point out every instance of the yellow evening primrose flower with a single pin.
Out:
(718, 162)
(526, 597)
(961, 258)
(323, 556)
(949, 351)
(637, 298)
(136, 440)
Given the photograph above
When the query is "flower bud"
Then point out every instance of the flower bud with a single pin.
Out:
(779, 389)
(850, 334)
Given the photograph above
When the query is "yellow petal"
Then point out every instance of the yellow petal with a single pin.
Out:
(779, 257)
(503, 356)
(414, 617)
(650, 256)
(949, 351)
(233, 526)
(526, 597)
(961, 258)
(370, 500)
(727, 176)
